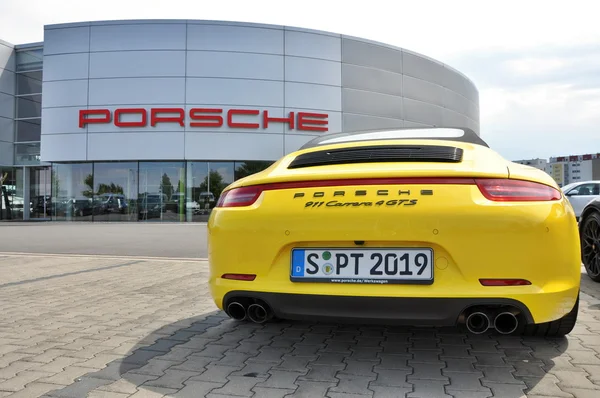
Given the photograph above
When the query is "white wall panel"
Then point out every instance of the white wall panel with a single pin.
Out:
(313, 96)
(456, 82)
(137, 64)
(65, 93)
(234, 92)
(235, 38)
(372, 55)
(293, 142)
(233, 146)
(138, 37)
(61, 120)
(63, 147)
(7, 81)
(136, 146)
(313, 45)
(7, 129)
(334, 121)
(66, 67)
(7, 153)
(422, 68)
(7, 106)
(273, 127)
(66, 40)
(354, 122)
(135, 91)
(7, 57)
(456, 102)
(369, 103)
(371, 79)
(422, 112)
(235, 65)
(451, 118)
(423, 90)
(308, 70)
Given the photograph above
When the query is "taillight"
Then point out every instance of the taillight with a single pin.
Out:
(507, 190)
(504, 282)
(238, 197)
(239, 277)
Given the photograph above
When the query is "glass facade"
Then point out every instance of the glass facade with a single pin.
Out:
(142, 191)
(28, 106)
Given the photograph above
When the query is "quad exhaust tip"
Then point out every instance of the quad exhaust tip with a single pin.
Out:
(257, 312)
(478, 322)
(236, 311)
(506, 322)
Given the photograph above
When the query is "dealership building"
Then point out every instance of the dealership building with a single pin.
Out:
(148, 120)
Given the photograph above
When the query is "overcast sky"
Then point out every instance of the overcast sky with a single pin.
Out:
(536, 63)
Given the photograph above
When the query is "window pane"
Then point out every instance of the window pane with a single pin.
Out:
(161, 191)
(29, 83)
(29, 106)
(244, 169)
(28, 130)
(199, 199)
(115, 191)
(220, 176)
(29, 60)
(11, 197)
(27, 153)
(72, 191)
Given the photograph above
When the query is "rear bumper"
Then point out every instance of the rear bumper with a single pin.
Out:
(388, 310)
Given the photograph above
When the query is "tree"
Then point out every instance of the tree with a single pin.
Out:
(166, 186)
(217, 185)
(89, 183)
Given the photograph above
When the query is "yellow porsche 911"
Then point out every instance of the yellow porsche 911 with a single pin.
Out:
(424, 226)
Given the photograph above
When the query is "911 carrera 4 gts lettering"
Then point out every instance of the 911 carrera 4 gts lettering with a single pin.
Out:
(388, 203)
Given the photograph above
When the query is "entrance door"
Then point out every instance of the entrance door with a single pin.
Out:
(40, 192)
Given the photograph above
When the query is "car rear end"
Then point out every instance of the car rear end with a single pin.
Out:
(417, 233)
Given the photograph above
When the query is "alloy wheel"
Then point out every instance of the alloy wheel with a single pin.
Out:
(591, 246)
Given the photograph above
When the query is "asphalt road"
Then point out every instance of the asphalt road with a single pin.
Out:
(169, 240)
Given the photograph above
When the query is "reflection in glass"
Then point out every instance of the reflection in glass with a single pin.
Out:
(8, 193)
(115, 191)
(29, 82)
(28, 60)
(198, 199)
(40, 192)
(29, 106)
(161, 191)
(26, 154)
(72, 192)
(244, 169)
(29, 130)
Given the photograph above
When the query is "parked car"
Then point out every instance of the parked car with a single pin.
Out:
(581, 193)
(589, 232)
(417, 226)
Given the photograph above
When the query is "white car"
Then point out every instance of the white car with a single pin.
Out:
(581, 193)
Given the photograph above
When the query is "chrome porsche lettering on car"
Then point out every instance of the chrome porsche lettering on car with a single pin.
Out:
(385, 203)
(363, 192)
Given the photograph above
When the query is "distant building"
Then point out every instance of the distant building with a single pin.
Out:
(568, 169)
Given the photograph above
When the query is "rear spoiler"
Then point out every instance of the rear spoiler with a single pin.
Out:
(460, 134)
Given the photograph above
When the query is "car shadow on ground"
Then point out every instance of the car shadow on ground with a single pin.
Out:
(210, 352)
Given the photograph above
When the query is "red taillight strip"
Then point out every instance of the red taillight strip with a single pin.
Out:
(239, 277)
(494, 189)
(504, 282)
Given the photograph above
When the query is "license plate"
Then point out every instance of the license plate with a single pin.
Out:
(381, 266)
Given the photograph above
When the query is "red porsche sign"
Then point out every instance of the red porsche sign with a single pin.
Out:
(202, 117)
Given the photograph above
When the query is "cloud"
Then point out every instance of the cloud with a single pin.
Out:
(538, 103)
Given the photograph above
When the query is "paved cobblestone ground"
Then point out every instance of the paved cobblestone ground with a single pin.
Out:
(77, 326)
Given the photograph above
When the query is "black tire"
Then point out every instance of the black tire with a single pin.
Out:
(590, 245)
(558, 328)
